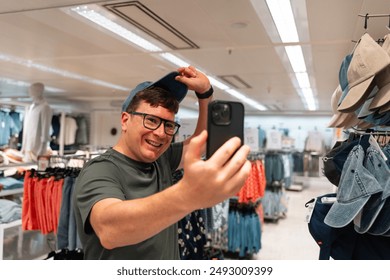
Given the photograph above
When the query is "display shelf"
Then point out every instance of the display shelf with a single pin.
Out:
(3, 227)
(28, 165)
(11, 192)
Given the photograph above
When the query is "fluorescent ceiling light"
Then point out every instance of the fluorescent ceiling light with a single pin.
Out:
(218, 84)
(295, 55)
(174, 59)
(284, 20)
(67, 74)
(303, 80)
(309, 99)
(24, 84)
(245, 99)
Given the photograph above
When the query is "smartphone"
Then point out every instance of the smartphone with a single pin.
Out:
(225, 120)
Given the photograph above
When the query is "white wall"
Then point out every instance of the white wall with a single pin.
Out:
(306, 124)
(102, 122)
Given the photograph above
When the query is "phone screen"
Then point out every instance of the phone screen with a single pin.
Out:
(225, 120)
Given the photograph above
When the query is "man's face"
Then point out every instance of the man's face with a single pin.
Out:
(143, 144)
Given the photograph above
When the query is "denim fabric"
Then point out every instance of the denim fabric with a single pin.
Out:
(17, 123)
(271, 204)
(9, 211)
(376, 165)
(67, 232)
(343, 77)
(298, 162)
(5, 128)
(10, 183)
(385, 119)
(378, 219)
(244, 231)
(386, 151)
(274, 169)
(381, 225)
(74, 240)
(262, 137)
(356, 186)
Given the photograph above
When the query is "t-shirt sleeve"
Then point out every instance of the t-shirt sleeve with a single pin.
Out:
(91, 188)
(174, 154)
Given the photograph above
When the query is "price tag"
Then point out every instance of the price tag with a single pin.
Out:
(43, 162)
(309, 211)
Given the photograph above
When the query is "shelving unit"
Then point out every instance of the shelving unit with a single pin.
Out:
(3, 227)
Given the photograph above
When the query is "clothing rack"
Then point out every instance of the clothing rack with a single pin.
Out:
(370, 131)
(256, 156)
(367, 16)
(66, 159)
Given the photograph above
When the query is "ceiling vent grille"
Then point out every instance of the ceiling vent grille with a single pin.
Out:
(149, 22)
(235, 81)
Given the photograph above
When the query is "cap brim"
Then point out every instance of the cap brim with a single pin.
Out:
(356, 96)
(385, 108)
(335, 120)
(382, 222)
(351, 121)
(366, 217)
(381, 98)
(169, 83)
(341, 214)
(363, 124)
(364, 110)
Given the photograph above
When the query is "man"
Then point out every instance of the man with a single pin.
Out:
(126, 204)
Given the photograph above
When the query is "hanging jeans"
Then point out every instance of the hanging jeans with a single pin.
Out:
(67, 236)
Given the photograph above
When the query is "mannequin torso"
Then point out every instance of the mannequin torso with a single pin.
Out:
(36, 131)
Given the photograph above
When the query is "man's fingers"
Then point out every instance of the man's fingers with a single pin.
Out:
(237, 163)
(195, 147)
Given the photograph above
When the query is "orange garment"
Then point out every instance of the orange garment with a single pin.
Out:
(41, 203)
(254, 186)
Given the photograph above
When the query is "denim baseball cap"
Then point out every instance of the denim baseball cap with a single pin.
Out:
(340, 119)
(380, 218)
(369, 58)
(364, 110)
(381, 224)
(376, 165)
(343, 78)
(356, 186)
(168, 82)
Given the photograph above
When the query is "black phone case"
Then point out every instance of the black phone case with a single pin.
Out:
(218, 133)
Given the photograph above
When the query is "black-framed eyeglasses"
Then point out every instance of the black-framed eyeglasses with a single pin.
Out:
(153, 122)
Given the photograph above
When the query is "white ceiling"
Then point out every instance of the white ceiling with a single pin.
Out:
(222, 37)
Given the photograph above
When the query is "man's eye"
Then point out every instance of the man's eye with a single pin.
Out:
(170, 125)
(152, 120)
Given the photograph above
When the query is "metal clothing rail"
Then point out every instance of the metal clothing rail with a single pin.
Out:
(367, 16)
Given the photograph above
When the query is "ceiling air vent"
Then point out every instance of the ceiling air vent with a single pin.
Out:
(235, 81)
(149, 22)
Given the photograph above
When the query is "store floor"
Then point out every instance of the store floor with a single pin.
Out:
(289, 238)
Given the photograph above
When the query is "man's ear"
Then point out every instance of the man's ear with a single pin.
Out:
(125, 117)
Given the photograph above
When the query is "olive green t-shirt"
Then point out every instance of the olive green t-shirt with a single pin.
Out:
(114, 175)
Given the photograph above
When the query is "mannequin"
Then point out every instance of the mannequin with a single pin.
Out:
(36, 127)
